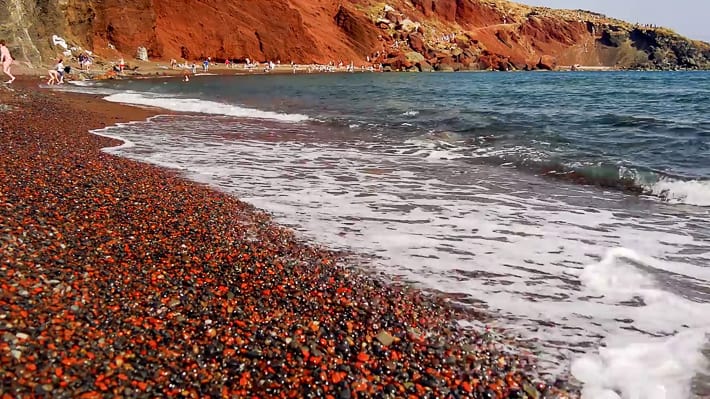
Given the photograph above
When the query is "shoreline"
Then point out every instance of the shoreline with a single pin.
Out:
(156, 69)
(122, 278)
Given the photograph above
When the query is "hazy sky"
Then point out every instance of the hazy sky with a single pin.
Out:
(687, 17)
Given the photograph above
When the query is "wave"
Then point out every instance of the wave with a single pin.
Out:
(672, 189)
(655, 367)
(621, 176)
(82, 83)
(621, 121)
(692, 192)
(194, 105)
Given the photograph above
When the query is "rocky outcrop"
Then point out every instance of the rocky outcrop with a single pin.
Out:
(446, 35)
(547, 62)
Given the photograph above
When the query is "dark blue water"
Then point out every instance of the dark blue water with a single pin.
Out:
(615, 129)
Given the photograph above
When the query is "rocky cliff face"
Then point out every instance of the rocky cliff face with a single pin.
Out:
(401, 35)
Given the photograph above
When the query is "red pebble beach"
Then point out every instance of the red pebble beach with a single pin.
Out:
(120, 279)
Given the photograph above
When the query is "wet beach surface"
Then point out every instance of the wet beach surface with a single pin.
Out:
(119, 279)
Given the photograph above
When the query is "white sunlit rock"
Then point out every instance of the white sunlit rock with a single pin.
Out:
(58, 41)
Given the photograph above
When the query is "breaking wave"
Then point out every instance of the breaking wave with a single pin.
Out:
(632, 179)
(194, 105)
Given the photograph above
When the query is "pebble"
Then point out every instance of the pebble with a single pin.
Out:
(161, 287)
(385, 338)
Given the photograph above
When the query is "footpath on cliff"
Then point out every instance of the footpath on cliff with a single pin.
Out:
(122, 279)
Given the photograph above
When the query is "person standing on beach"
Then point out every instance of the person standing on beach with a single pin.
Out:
(6, 59)
(60, 70)
(53, 77)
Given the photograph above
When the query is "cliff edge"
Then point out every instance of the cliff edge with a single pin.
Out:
(422, 35)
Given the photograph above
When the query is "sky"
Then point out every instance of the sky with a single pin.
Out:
(687, 17)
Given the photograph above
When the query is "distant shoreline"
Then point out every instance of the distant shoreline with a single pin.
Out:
(151, 69)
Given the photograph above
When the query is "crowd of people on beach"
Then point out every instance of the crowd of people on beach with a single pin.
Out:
(249, 65)
(57, 74)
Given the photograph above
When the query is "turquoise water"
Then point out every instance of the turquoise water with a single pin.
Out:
(572, 207)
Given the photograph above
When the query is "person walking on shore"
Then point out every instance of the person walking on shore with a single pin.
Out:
(60, 70)
(6, 59)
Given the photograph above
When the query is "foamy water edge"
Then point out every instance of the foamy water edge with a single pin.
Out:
(593, 388)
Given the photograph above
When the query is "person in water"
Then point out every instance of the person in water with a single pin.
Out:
(6, 59)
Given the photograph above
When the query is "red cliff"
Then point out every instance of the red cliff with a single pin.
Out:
(402, 35)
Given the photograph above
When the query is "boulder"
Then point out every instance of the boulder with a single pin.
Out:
(414, 57)
(547, 62)
(446, 59)
(465, 62)
(416, 42)
(142, 54)
(59, 41)
(494, 62)
(424, 66)
(398, 62)
(394, 17)
(519, 62)
(409, 26)
(445, 68)
(463, 42)
(447, 64)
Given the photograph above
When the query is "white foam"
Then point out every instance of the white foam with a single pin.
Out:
(194, 105)
(693, 192)
(617, 282)
(661, 368)
(636, 367)
(82, 83)
(512, 242)
(110, 132)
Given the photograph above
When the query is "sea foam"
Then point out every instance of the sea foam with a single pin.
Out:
(194, 105)
(692, 192)
(509, 241)
(652, 368)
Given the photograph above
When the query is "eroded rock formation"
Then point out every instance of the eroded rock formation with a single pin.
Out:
(445, 35)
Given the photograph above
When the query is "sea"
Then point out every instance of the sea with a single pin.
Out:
(572, 207)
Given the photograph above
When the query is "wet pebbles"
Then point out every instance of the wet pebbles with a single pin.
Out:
(118, 279)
